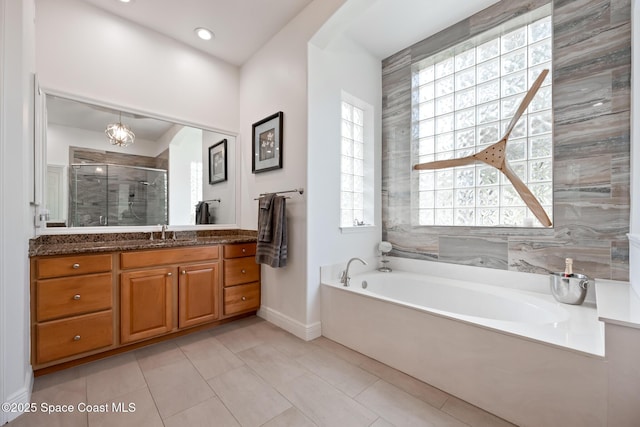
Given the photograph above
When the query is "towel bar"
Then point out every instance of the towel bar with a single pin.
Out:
(297, 190)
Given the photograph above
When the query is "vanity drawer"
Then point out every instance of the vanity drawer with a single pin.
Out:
(73, 265)
(70, 296)
(239, 250)
(75, 335)
(139, 259)
(241, 270)
(241, 298)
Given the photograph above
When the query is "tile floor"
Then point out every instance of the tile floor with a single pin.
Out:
(246, 373)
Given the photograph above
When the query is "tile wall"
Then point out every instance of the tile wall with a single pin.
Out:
(591, 64)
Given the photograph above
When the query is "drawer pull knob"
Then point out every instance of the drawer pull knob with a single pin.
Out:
(76, 338)
(169, 274)
(76, 297)
(244, 250)
(76, 266)
(184, 272)
(244, 271)
(243, 298)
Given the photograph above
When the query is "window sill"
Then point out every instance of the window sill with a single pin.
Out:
(357, 229)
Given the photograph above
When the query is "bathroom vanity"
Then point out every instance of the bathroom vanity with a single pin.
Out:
(117, 292)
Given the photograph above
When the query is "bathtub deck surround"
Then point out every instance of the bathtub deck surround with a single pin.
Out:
(513, 303)
(530, 282)
(528, 371)
(619, 309)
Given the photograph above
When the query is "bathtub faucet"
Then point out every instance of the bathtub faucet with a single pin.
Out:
(344, 278)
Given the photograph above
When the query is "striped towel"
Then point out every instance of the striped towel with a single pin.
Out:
(274, 251)
(265, 218)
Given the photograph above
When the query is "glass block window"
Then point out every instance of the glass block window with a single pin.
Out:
(463, 99)
(355, 167)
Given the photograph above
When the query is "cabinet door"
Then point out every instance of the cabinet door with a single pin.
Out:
(145, 303)
(198, 294)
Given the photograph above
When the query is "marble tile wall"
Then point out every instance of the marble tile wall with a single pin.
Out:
(591, 64)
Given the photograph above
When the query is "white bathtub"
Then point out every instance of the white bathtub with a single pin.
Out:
(463, 300)
(518, 354)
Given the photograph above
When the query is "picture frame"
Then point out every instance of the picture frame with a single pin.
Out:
(218, 162)
(267, 144)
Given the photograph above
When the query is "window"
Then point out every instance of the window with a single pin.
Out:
(356, 166)
(195, 177)
(463, 99)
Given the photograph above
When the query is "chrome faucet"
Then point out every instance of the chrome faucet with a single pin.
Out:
(344, 278)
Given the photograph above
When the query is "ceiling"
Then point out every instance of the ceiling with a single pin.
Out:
(76, 114)
(241, 27)
(385, 27)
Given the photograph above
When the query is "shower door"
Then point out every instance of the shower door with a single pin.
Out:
(137, 196)
(116, 195)
(88, 195)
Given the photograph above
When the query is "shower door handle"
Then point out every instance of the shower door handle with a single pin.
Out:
(103, 220)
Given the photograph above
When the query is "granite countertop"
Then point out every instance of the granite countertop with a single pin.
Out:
(66, 244)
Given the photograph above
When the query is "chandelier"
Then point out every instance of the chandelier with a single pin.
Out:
(119, 134)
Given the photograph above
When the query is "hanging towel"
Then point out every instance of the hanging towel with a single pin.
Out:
(273, 252)
(265, 217)
(202, 213)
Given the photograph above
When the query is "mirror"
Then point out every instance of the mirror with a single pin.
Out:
(164, 177)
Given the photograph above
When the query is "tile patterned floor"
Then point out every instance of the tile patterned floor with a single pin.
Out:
(247, 373)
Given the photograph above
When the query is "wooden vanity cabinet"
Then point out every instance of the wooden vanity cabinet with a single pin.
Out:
(89, 305)
(72, 301)
(151, 306)
(241, 279)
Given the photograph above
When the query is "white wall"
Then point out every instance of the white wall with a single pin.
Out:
(225, 210)
(275, 79)
(76, 44)
(634, 244)
(340, 64)
(185, 148)
(17, 65)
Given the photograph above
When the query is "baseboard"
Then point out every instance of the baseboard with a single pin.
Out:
(22, 397)
(302, 331)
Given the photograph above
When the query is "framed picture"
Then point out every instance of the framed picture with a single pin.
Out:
(218, 162)
(267, 144)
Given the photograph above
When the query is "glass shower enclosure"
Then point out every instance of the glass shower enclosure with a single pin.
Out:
(117, 195)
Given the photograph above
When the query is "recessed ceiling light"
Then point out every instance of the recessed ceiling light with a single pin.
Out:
(203, 33)
(125, 1)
